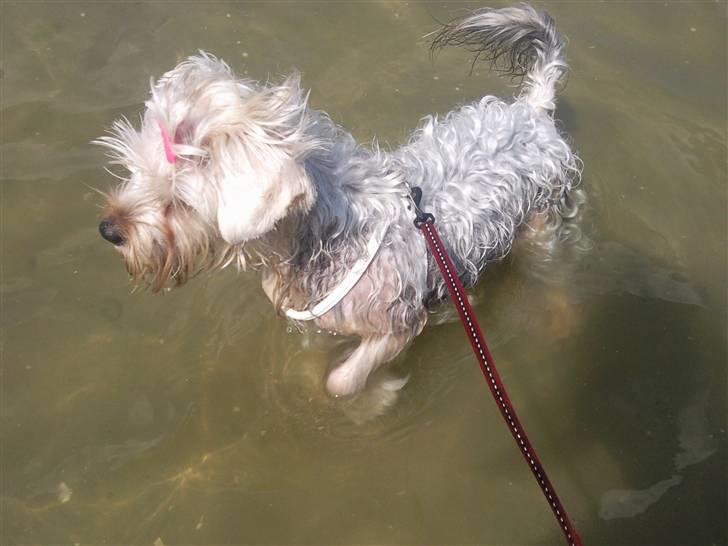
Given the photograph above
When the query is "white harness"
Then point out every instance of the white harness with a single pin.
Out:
(347, 283)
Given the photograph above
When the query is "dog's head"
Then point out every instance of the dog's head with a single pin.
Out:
(216, 162)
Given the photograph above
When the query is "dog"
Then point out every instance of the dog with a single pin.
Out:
(225, 170)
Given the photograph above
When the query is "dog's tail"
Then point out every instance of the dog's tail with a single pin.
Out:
(519, 41)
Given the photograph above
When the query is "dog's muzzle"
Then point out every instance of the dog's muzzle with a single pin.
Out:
(111, 232)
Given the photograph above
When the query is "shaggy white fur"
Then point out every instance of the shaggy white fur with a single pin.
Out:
(261, 179)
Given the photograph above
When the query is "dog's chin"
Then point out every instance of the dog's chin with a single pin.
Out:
(158, 279)
(157, 270)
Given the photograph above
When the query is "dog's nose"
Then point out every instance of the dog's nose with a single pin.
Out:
(110, 231)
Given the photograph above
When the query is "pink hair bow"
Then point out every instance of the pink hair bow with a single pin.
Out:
(167, 141)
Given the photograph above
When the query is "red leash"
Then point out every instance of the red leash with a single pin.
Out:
(426, 223)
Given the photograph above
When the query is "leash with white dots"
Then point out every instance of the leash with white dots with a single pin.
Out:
(426, 223)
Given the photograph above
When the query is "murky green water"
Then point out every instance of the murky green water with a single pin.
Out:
(196, 418)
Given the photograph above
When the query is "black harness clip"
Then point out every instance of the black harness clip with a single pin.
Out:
(422, 218)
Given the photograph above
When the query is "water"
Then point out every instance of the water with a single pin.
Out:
(195, 417)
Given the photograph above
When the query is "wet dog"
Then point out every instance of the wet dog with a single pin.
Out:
(225, 170)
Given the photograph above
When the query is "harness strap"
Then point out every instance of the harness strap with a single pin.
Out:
(347, 283)
(426, 223)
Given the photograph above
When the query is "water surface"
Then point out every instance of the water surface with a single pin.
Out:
(197, 417)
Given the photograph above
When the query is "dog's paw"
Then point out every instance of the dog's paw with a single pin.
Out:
(345, 382)
(380, 395)
(393, 384)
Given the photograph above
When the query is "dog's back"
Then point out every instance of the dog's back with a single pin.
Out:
(487, 167)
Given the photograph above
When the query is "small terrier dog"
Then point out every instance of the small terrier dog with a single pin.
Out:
(227, 170)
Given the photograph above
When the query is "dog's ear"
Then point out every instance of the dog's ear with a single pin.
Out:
(263, 186)
(257, 160)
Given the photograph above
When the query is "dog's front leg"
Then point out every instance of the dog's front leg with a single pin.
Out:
(350, 377)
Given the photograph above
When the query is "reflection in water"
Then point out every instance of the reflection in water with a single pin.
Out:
(614, 269)
(196, 417)
(696, 444)
(626, 503)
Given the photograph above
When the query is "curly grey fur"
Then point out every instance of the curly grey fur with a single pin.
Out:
(484, 169)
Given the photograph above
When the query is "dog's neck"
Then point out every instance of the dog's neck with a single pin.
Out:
(310, 251)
